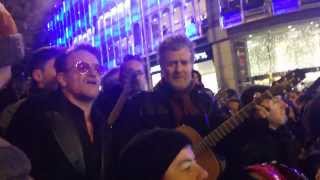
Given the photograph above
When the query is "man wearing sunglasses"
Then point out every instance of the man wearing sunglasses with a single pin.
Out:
(66, 132)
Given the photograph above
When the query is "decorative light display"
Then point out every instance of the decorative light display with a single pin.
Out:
(117, 27)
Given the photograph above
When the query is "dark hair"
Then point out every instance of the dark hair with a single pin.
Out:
(198, 74)
(41, 56)
(248, 94)
(61, 64)
(112, 72)
(128, 58)
(175, 43)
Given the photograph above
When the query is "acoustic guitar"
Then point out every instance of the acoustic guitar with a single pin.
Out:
(202, 146)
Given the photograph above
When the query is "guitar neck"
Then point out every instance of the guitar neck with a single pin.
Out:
(213, 138)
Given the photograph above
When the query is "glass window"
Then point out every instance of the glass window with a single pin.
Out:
(165, 20)
(117, 52)
(177, 18)
(124, 46)
(162, 2)
(147, 34)
(152, 3)
(190, 20)
(137, 38)
(277, 50)
(156, 34)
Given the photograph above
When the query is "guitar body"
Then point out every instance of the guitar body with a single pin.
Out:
(201, 146)
(205, 159)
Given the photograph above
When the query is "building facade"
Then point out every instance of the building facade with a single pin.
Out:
(125, 27)
(238, 42)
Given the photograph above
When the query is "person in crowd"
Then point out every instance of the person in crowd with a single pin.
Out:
(264, 136)
(111, 79)
(197, 80)
(62, 133)
(43, 81)
(14, 164)
(159, 154)
(311, 155)
(176, 101)
(12, 52)
(42, 69)
(229, 102)
(111, 101)
(132, 80)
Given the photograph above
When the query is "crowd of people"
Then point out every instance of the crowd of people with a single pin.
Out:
(64, 116)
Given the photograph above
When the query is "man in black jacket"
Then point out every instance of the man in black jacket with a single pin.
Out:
(174, 101)
(43, 81)
(62, 134)
(132, 80)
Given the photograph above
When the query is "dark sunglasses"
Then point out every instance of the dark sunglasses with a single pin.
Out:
(83, 68)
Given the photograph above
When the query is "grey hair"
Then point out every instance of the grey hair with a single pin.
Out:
(175, 43)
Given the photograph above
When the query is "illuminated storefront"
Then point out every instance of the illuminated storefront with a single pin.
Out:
(284, 48)
(272, 37)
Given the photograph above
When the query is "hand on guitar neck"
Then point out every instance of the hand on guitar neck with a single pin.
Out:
(267, 105)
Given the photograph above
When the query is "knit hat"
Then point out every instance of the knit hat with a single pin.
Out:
(14, 164)
(148, 155)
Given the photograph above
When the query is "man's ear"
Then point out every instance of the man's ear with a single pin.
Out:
(61, 79)
(37, 75)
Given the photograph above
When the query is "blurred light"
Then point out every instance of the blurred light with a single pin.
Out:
(250, 35)
(311, 22)
(289, 26)
(317, 25)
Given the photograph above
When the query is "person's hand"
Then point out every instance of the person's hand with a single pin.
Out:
(7, 24)
(262, 111)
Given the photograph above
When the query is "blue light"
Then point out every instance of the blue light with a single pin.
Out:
(284, 6)
(135, 17)
(94, 8)
(103, 4)
(79, 23)
(97, 41)
(115, 31)
(111, 63)
(67, 32)
(127, 24)
(107, 32)
(191, 29)
(231, 19)
(152, 3)
(64, 6)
